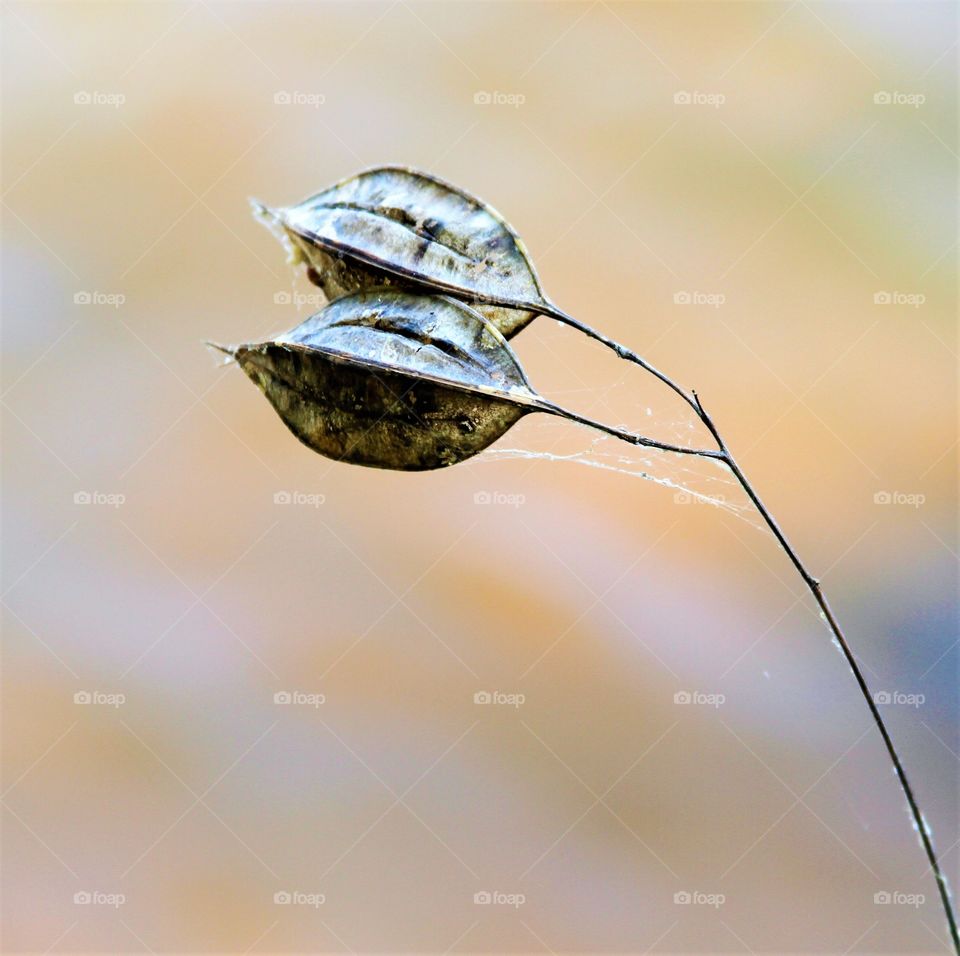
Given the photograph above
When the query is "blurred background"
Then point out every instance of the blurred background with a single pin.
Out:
(254, 700)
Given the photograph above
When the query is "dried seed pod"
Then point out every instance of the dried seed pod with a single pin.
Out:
(391, 379)
(397, 227)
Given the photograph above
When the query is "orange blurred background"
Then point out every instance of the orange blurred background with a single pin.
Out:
(758, 197)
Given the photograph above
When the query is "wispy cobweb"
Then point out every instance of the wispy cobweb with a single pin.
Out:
(702, 480)
(690, 479)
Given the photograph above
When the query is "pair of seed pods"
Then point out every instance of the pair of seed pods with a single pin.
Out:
(408, 366)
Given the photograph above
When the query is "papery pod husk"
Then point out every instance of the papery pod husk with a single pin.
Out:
(397, 227)
(389, 379)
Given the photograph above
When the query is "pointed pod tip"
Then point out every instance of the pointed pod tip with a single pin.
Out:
(262, 211)
(228, 350)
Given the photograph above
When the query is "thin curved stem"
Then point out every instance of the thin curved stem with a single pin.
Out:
(813, 584)
(554, 313)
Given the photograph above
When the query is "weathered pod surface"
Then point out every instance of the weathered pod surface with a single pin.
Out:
(397, 227)
(392, 380)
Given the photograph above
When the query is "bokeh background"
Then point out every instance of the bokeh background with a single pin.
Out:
(784, 241)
